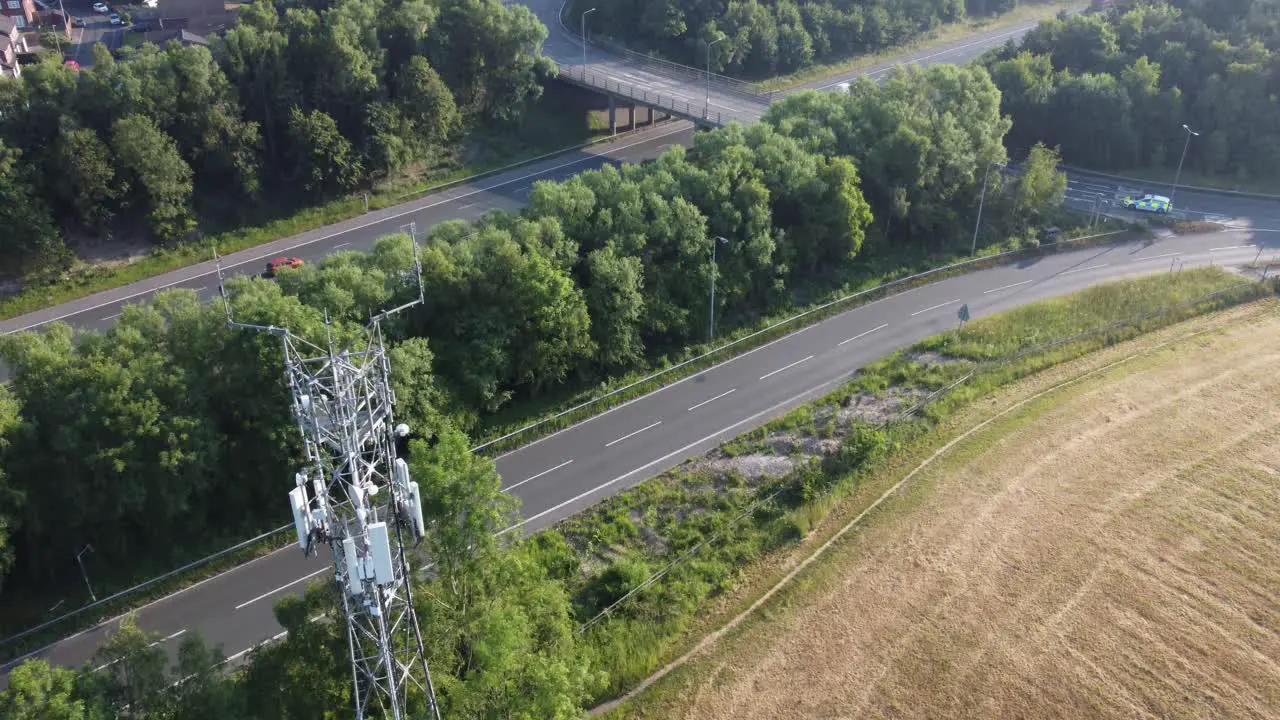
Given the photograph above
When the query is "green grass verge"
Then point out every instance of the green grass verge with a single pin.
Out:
(949, 33)
(715, 520)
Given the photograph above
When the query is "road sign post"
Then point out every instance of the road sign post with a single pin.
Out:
(963, 314)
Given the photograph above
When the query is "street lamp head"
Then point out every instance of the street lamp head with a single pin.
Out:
(1193, 132)
(723, 241)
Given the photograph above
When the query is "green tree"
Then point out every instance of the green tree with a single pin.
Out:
(10, 499)
(157, 172)
(29, 240)
(38, 691)
(920, 142)
(499, 631)
(426, 100)
(324, 160)
(615, 303)
(501, 318)
(499, 68)
(86, 179)
(1041, 186)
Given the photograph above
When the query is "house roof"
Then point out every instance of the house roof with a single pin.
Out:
(191, 8)
(186, 37)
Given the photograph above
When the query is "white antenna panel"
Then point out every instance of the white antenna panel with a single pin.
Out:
(301, 518)
(415, 510)
(380, 552)
(354, 586)
(402, 473)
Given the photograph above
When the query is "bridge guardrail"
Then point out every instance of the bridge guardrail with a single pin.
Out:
(684, 108)
(730, 85)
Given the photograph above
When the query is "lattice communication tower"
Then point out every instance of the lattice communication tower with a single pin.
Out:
(355, 495)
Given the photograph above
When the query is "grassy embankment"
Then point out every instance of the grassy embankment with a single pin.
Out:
(1094, 538)
(718, 528)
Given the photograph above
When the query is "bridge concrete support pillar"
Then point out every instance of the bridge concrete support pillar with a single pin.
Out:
(613, 116)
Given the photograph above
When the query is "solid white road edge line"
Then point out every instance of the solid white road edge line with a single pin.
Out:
(787, 367)
(269, 593)
(704, 402)
(935, 307)
(669, 455)
(862, 334)
(379, 221)
(681, 381)
(167, 638)
(535, 477)
(633, 433)
(1153, 257)
(1006, 287)
(1231, 247)
(1091, 267)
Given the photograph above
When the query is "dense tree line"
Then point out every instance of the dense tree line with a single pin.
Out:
(160, 431)
(767, 37)
(1114, 89)
(301, 100)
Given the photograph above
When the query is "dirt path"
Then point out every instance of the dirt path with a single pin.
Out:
(1111, 552)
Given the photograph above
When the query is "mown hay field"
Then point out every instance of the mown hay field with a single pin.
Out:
(1109, 550)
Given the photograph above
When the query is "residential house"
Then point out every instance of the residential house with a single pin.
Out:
(202, 17)
(22, 12)
(11, 44)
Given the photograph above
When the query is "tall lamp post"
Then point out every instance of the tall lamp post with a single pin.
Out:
(584, 38)
(706, 108)
(1178, 176)
(84, 574)
(973, 249)
(711, 324)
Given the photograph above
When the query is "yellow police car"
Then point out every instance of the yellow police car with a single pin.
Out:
(1149, 203)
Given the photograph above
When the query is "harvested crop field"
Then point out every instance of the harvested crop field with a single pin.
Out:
(1111, 549)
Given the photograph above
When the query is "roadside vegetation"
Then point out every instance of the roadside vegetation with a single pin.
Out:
(760, 40)
(168, 421)
(656, 557)
(1113, 89)
(298, 105)
(1064, 507)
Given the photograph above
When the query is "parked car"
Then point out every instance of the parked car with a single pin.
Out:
(281, 263)
(101, 7)
(115, 18)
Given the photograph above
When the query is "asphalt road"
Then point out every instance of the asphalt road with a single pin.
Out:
(567, 471)
(578, 466)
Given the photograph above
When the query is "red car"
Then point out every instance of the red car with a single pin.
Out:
(281, 263)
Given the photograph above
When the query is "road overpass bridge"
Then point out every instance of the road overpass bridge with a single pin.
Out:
(630, 79)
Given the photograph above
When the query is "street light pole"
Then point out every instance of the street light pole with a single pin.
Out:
(711, 324)
(973, 248)
(584, 38)
(1178, 176)
(706, 108)
(82, 570)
